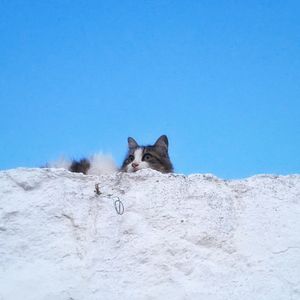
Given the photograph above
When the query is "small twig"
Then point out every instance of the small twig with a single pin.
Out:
(71, 220)
(97, 189)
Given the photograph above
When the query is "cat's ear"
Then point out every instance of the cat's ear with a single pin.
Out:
(132, 143)
(162, 142)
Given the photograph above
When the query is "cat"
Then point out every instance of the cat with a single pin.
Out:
(154, 156)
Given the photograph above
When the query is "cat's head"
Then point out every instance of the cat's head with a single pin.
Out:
(143, 157)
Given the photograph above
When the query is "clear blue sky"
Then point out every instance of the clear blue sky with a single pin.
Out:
(220, 78)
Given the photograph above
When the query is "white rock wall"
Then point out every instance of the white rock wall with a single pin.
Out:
(180, 237)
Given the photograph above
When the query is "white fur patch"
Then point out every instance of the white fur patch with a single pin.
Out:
(102, 164)
(61, 163)
(138, 155)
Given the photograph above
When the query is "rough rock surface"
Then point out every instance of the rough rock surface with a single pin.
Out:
(180, 237)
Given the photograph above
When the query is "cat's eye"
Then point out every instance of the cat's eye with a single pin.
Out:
(147, 156)
(130, 158)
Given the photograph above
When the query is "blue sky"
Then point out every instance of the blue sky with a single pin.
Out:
(220, 78)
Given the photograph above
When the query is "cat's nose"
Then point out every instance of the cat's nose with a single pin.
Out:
(135, 165)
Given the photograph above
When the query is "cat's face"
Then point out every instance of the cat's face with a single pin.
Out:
(143, 157)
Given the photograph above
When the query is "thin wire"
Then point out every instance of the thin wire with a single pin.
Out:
(118, 204)
(119, 207)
